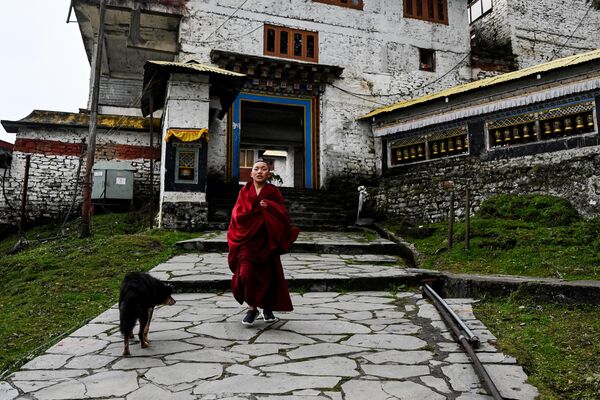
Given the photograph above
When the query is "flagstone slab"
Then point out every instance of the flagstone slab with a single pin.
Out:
(386, 341)
(400, 357)
(77, 346)
(411, 391)
(48, 375)
(126, 363)
(257, 349)
(241, 370)
(30, 386)
(268, 360)
(436, 383)
(228, 330)
(154, 392)
(362, 389)
(329, 366)
(395, 371)
(7, 392)
(405, 329)
(110, 383)
(92, 330)
(462, 377)
(156, 348)
(511, 381)
(63, 390)
(285, 337)
(89, 362)
(209, 355)
(323, 328)
(274, 383)
(183, 372)
(322, 350)
(47, 361)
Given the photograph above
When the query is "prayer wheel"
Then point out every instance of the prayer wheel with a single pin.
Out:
(526, 131)
(579, 122)
(398, 154)
(413, 152)
(590, 121)
(420, 151)
(435, 149)
(405, 153)
(442, 147)
(568, 125)
(506, 135)
(498, 135)
(516, 134)
(547, 128)
(557, 127)
(459, 144)
(450, 144)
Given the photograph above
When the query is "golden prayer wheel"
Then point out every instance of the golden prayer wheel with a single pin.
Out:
(435, 148)
(547, 128)
(420, 151)
(579, 122)
(459, 143)
(413, 152)
(398, 154)
(526, 132)
(466, 142)
(590, 121)
(450, 144)
(516, 134)
(557, 127)
(568, 125)
(536, 130)
(405, 153)
(498, 135)
(506, 135)
(442, 147)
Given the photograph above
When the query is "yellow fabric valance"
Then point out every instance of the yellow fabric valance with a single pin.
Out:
(187, 135)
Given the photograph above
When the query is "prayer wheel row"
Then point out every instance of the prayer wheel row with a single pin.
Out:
(437, 149)
(562, 126)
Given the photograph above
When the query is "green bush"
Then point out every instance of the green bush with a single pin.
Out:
(540, 209)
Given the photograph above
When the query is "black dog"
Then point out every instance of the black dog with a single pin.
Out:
(140, 293)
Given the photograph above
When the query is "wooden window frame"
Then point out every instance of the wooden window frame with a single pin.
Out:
(290, 53)
(425, 10)
(340, 3)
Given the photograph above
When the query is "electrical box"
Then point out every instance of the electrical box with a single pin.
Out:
(112, 180)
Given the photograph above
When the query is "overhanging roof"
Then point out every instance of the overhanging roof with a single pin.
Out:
(489, 82)
(79, 120)
(226, 84)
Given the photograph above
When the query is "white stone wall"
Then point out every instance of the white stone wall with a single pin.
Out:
(542, 29)
(493, 30)
(53, 178)
(377, 48)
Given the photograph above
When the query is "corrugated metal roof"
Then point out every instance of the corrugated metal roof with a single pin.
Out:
(196, 67)
(510, 76)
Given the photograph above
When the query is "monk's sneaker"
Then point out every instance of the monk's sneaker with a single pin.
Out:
(268, 316)
(250, 317)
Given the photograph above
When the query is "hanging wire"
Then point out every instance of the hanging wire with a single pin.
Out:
(556, 51)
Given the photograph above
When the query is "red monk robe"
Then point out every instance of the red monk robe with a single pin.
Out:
(257, 236)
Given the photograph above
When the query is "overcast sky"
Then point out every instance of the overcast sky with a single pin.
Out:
(43, 63)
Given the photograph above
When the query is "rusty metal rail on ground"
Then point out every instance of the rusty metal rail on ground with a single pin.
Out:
(465, 336)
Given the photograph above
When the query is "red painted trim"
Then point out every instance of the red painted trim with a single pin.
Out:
(104, 151)
(6, 145)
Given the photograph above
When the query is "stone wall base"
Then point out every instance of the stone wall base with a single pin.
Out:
(185, 216)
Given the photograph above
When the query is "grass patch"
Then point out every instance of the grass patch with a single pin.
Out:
(558, 345)
(515, 235)
(54, 286)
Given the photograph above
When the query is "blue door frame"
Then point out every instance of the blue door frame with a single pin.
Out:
(309, 131)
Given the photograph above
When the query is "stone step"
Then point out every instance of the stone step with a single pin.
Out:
(332, 242)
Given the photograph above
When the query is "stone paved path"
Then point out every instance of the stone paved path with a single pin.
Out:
(334, 346)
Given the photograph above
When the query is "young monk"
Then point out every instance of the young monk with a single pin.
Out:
(259, 232)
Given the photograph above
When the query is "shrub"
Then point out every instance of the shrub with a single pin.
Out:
(541, 209)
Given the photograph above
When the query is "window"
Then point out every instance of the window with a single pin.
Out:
(428, 10)
(291, 43)
(358, 4)
(186, 168)
(478, 8)
(246, 158)
(427, 60)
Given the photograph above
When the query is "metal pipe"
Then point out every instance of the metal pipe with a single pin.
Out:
(473, 339)
(485, 378)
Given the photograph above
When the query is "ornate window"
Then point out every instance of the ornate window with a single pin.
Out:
(554, 123)
(358, 4)
(428, 10)
(440, 144)
(186, 163)
(291, 43)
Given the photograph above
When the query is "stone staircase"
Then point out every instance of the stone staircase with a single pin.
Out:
(311, 210)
